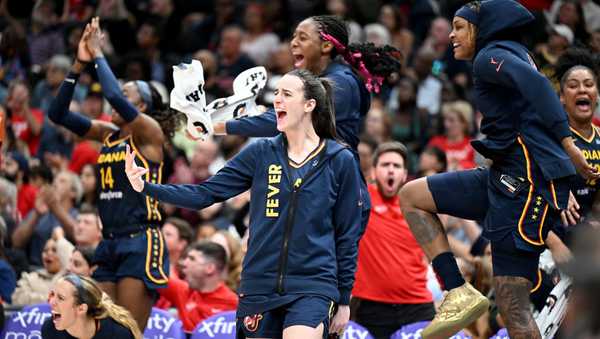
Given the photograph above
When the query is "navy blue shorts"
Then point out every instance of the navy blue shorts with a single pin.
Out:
(305, 310)
(513, 203)
(463, 194)
(508, 260)
(142, 255)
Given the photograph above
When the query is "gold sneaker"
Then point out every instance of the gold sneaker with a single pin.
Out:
(459, 308)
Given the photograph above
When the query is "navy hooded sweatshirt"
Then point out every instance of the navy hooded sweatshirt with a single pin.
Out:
(303, 238)
(514, 97)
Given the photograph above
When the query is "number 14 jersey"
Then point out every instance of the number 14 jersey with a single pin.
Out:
(119, 206)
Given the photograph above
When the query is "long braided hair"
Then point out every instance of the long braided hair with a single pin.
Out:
(170, 120)
(373, 63)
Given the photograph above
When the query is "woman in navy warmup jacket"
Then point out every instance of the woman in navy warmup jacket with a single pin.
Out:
(305, 216)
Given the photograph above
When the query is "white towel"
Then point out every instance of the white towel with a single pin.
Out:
(189, 98)
(246, 87)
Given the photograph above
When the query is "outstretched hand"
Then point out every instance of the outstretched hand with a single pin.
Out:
(83, 54)
(96, 38)
(133, 171)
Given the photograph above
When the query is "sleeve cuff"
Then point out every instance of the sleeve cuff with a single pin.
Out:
(148, 188)
(231, 127)
(344, 297)
(73, 76)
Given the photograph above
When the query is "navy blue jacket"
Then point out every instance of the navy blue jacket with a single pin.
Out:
(303, 239)
(513, 96)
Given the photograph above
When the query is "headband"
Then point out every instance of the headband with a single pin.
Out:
(468, 14)
(145, 93)
(76, 281)
(373, 82)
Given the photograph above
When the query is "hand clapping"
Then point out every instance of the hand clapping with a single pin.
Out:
(95, 39)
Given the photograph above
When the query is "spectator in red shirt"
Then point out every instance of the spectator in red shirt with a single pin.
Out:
(203, 293)
(456, 142)
(390, 290)
(26, 122)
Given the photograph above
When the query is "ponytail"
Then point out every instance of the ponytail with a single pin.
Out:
(108, 309)
(326, 127)
(373, 63)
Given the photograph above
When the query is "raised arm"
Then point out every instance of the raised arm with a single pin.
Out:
(263, 125)
(59, 112)
(146, 130)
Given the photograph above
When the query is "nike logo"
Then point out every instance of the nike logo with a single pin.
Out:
(498, 64)
(70, 80)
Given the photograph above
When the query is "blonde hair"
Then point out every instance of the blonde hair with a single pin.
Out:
(100, 305)
(463, 109)
(234, 261)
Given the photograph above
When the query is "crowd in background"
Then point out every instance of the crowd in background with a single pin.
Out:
(48, 220)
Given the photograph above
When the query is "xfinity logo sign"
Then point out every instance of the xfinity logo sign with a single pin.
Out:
(218, 326)
(355, 331)
(34, 316)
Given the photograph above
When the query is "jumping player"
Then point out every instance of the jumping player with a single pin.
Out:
(132, 258)
(304, 216)
(521, 195)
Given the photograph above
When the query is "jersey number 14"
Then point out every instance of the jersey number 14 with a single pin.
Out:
(106, 178)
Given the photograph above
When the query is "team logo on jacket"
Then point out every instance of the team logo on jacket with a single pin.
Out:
(251, 322)
(497, 64)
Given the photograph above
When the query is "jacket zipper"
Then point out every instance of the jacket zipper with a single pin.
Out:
(286, 239)
(283, 258)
